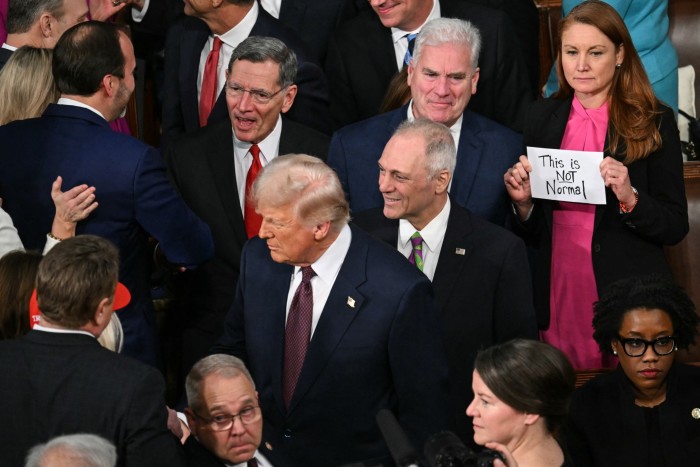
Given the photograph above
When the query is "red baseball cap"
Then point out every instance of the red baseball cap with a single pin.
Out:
(122, 297)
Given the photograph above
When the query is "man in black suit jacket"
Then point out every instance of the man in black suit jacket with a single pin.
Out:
(363, 57)
(209, 168)
(224, 415)
(370, 338)
(479, 271)
(186, 49)
(59, 380)
(313, 20)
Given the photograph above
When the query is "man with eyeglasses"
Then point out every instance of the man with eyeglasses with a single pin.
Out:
(214, 167)
(197, 51)
(224, 416)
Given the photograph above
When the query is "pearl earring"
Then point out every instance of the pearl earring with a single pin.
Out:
(618, 65)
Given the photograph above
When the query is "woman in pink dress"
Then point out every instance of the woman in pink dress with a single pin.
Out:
(605, 103)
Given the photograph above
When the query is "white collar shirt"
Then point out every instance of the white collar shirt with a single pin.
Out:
(229, 41)
(269, 149)
(399, 35)
(326, 268)
(433, 235)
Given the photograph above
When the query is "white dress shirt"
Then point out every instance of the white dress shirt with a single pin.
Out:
(272, 6)
(433, 235)
(269, 149)
(326, 269)
(399, 35)
(229, 41)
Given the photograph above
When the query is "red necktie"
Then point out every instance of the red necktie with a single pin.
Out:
(208, 96)
(252, 218)
(297, 334)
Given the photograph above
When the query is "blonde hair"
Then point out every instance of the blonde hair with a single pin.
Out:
(26, 84)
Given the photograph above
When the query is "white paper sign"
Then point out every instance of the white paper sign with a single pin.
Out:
(564, 175)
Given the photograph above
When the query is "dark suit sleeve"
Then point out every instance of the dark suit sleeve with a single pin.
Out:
(419, 365)
(183, 237)
(233, 342)
(173, 121)
(337, 160)
(661, 214)
(514, 313)
(148, 442)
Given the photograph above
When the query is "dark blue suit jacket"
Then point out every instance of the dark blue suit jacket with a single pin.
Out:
(134, 195)
(377, 345)
(486, 149)
(182, 52)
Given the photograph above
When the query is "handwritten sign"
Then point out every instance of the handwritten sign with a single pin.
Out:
(564, 175)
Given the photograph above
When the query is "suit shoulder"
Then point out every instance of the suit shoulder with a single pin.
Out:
(370, 127)
(495, 233)
(369, 218)
(485, 124)
(309, 136)
(356, 29)
(384, 260)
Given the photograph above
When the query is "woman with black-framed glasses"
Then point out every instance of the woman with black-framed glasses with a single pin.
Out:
(646, 412)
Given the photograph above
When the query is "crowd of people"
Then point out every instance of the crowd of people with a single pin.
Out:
(341, 212)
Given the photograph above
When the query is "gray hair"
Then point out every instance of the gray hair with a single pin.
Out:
(441, 31)
(77, 450)
(224, 365)
(440, 150)
(308, 184)
(258, 49)
(23, 14)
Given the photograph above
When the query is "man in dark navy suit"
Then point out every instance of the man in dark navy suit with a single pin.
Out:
(333, 325)
(443, 76)
(93, 65)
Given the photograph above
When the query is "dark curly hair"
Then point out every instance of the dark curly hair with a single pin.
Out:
(648, 292)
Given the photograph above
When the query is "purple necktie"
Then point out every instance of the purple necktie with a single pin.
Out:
(297, 334)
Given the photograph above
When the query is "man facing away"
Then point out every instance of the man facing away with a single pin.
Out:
(58, 379)
(333, 325)
(93, 66)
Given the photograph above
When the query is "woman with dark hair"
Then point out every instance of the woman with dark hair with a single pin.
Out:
(647, 412)
(605, 103)
(17, 276)
(521, 390)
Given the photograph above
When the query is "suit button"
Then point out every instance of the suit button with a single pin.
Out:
(288, 433)
(596, 248)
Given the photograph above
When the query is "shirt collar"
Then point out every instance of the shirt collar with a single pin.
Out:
(327, 266)
(241, 31)
(455, 129)
(269, 147)
(432, 233)
(39, 327)
(9, 47)
(398, 34)
(74, 103)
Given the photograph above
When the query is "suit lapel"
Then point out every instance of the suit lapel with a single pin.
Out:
(456, 249)
(223, 170)
(278, 292)
(189, 67)
(344, 302)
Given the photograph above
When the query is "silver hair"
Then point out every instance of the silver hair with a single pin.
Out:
(258, 49)
(307, 184)
(82, 450)
(440, 150)
(23, 14)
(224, 365)
(441, 31)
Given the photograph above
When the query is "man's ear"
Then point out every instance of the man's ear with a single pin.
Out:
(102, 313)
(289, 96)
(110, 83)
(191, 420)
(46, 24)
(321, 230)
(442, 180)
